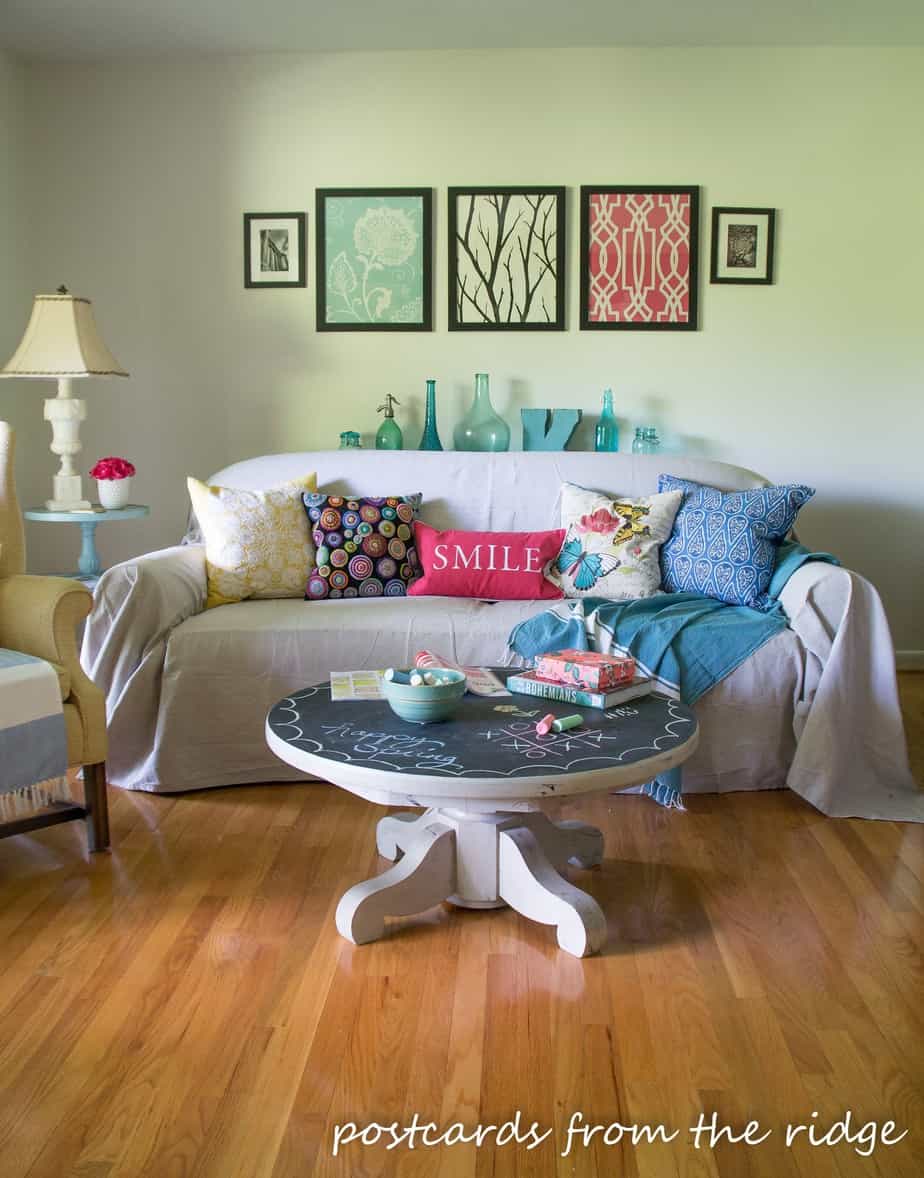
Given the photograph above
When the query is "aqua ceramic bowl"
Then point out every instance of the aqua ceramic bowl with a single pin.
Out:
(426, 705)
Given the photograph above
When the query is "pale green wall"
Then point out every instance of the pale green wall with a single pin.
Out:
(15, 296)
(140, 174)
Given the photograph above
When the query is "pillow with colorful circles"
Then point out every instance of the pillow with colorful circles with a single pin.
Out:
(365, 546)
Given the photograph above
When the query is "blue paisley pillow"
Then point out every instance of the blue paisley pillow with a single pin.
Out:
(724, 542)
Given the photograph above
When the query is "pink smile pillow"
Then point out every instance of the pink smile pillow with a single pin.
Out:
(493, 566)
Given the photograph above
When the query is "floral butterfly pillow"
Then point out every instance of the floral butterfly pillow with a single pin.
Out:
(612, 543)
(365, 546)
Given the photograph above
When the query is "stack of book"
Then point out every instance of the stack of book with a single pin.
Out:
(583, 678)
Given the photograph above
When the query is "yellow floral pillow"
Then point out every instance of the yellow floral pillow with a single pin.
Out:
(257, 543)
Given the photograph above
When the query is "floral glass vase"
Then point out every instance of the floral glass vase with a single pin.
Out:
(482, 428)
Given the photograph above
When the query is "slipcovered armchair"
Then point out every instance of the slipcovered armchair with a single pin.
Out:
(39, 616)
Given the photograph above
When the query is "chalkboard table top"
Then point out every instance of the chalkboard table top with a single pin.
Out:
(488, 752)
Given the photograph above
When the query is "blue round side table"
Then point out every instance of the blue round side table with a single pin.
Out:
(88, 565)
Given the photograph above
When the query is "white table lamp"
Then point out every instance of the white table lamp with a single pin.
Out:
(61, 343)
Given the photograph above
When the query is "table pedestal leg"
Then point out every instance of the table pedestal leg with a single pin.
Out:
(425, 876)
(88, 564)
(530, 884)
(480, 861)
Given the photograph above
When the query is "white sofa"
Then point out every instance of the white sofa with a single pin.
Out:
(188, 689)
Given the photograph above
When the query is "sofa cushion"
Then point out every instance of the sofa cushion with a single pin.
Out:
(724, 543)
(364, 545)
(495, 566)
(225, 668)
(257, 543)
(613, 542)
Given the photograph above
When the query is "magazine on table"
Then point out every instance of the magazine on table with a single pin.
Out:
(478, 680)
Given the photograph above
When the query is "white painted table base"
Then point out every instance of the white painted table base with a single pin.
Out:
(480, 861)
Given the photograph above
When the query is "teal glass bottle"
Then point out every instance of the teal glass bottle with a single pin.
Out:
(607, 434)
(482, 428)
(430, 439)
(389, 436)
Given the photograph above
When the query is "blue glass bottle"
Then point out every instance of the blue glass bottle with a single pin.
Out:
(430, 439)
(607, 434)
(482, 428)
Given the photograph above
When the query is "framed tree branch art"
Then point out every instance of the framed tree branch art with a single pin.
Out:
(374, 254)
(507, 259)
(639, 255)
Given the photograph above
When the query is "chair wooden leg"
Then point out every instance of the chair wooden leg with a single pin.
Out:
(94, 788)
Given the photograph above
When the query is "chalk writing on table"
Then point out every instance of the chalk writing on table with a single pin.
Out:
(389, 745)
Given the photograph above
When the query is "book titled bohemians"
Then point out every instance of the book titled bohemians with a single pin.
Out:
(529, 683)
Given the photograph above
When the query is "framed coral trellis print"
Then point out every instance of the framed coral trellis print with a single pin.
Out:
(374, 257)
(639, 251)
(506, 259)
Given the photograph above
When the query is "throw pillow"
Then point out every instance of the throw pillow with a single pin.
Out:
(257, 543)
(724, 542)
(365, 546)
(613, 542)
(493, 566)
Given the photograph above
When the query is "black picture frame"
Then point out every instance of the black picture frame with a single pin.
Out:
(426, 197)
(588, 191)
(301, 278)
(763, 276)
(495, 305)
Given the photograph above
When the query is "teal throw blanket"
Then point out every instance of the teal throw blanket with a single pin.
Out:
(685, 641)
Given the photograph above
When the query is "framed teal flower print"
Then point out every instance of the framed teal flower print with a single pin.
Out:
(373, 258)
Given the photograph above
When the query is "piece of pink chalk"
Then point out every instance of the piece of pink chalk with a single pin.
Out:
(544, 727)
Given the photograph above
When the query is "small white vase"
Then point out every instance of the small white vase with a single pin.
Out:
(114, 493)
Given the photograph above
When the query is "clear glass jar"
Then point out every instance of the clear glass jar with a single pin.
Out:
(646, 440)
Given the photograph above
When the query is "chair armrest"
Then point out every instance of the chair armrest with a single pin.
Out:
(851, 751)
(815, 599)
(136, 606)
(40, 616)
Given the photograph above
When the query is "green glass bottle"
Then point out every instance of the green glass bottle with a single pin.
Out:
(481, 428)
(607, 435)
(389, 436)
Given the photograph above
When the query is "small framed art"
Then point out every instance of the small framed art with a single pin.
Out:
(374, 259)
(742, 246)
(274, 249)
(639, 254)
(507, 259)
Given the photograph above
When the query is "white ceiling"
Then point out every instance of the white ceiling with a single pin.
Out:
(94, 29)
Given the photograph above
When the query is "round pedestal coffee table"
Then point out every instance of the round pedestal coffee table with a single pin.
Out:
(482, 841)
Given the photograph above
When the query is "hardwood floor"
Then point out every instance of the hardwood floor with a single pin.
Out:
(184, 1007)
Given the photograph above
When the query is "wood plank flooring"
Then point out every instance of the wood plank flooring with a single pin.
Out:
(184, 1007)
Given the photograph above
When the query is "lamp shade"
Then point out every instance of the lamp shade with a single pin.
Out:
(61, 340)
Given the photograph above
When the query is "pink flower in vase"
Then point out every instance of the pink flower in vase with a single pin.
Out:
(112, 468)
